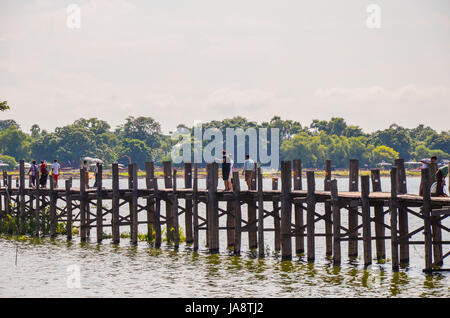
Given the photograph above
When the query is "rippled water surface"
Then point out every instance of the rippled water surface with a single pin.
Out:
(123, 271)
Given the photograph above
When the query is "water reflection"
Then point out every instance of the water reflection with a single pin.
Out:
(124, 270)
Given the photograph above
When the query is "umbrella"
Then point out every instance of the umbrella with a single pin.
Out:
(26, 165)
(383, 163)
(93, 160)
(3, 164)
(412, 163)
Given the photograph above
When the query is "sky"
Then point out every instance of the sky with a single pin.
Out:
(181, 61)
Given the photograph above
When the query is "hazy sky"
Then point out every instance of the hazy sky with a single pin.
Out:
(184, 60)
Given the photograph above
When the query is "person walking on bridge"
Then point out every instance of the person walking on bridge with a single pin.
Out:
(249, 171)
(56, 168)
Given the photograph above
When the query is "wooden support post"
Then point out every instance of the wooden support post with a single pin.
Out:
(195, 206)
(37, 211)
(435, 223)
(133, 205)
(298, 210)
(149, 176)
(22, 197)
(237, 213)
(176, 233)
(336, 223)
(393, 208)
(402, 212)
(426, 212)
(53, 216)
(365, 183)
(115, 204)
(251, 217)
(157, 215)
(69, 210)
(276, 218)
(2, 212)
(286, 211)
(83, 205)
(230, 224)
(9, 208)
(328, 212)
(213, 217)
(99, 221)
(352, 215)
(311, 210)
(167, 167)
(188, 203)
(260, 215)
(379, 216)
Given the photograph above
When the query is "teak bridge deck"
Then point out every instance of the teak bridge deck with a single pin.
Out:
(364, 210)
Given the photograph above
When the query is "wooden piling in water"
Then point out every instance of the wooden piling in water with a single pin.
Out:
(352, 215)
(213, 217)
(83, 205)
(69, 210)
(436, 223)
(99, 219)
(276, 218)
(286, 211)
(367, 239)
(115, 204)
(402, 212)
(157, 214)
(379, 216)
(393, 208)
(336, 223)
(37, 211)
(53, 216)
(426, 213)
(167, 168)
(237, 213)
(188, 203)
(195, 207)
(328, 211)
(8, 200)
(133, 204)
(311, 210)
(22, 197)
(251, 217)
(260, 214)
(150, 207)
(298, 208)
(174, 199)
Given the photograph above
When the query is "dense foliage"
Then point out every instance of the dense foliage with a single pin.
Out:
(142, 139)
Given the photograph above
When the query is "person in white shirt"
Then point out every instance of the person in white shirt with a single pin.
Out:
(56, 168)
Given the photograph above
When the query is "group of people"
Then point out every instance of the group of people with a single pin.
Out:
(44, 171)
(227, 168)
(438, 187)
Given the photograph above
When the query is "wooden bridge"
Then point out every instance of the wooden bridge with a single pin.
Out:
(371, 213)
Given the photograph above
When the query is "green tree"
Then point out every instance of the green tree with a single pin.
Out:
(137, 150)
(4, 106)
(5, 124)
(142, 128)
(10, 161)
(15, 143)
(383, 153)
(395, 137)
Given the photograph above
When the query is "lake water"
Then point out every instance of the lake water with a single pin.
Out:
(45, 268)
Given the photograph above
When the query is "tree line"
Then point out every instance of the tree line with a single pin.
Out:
(142, 139)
